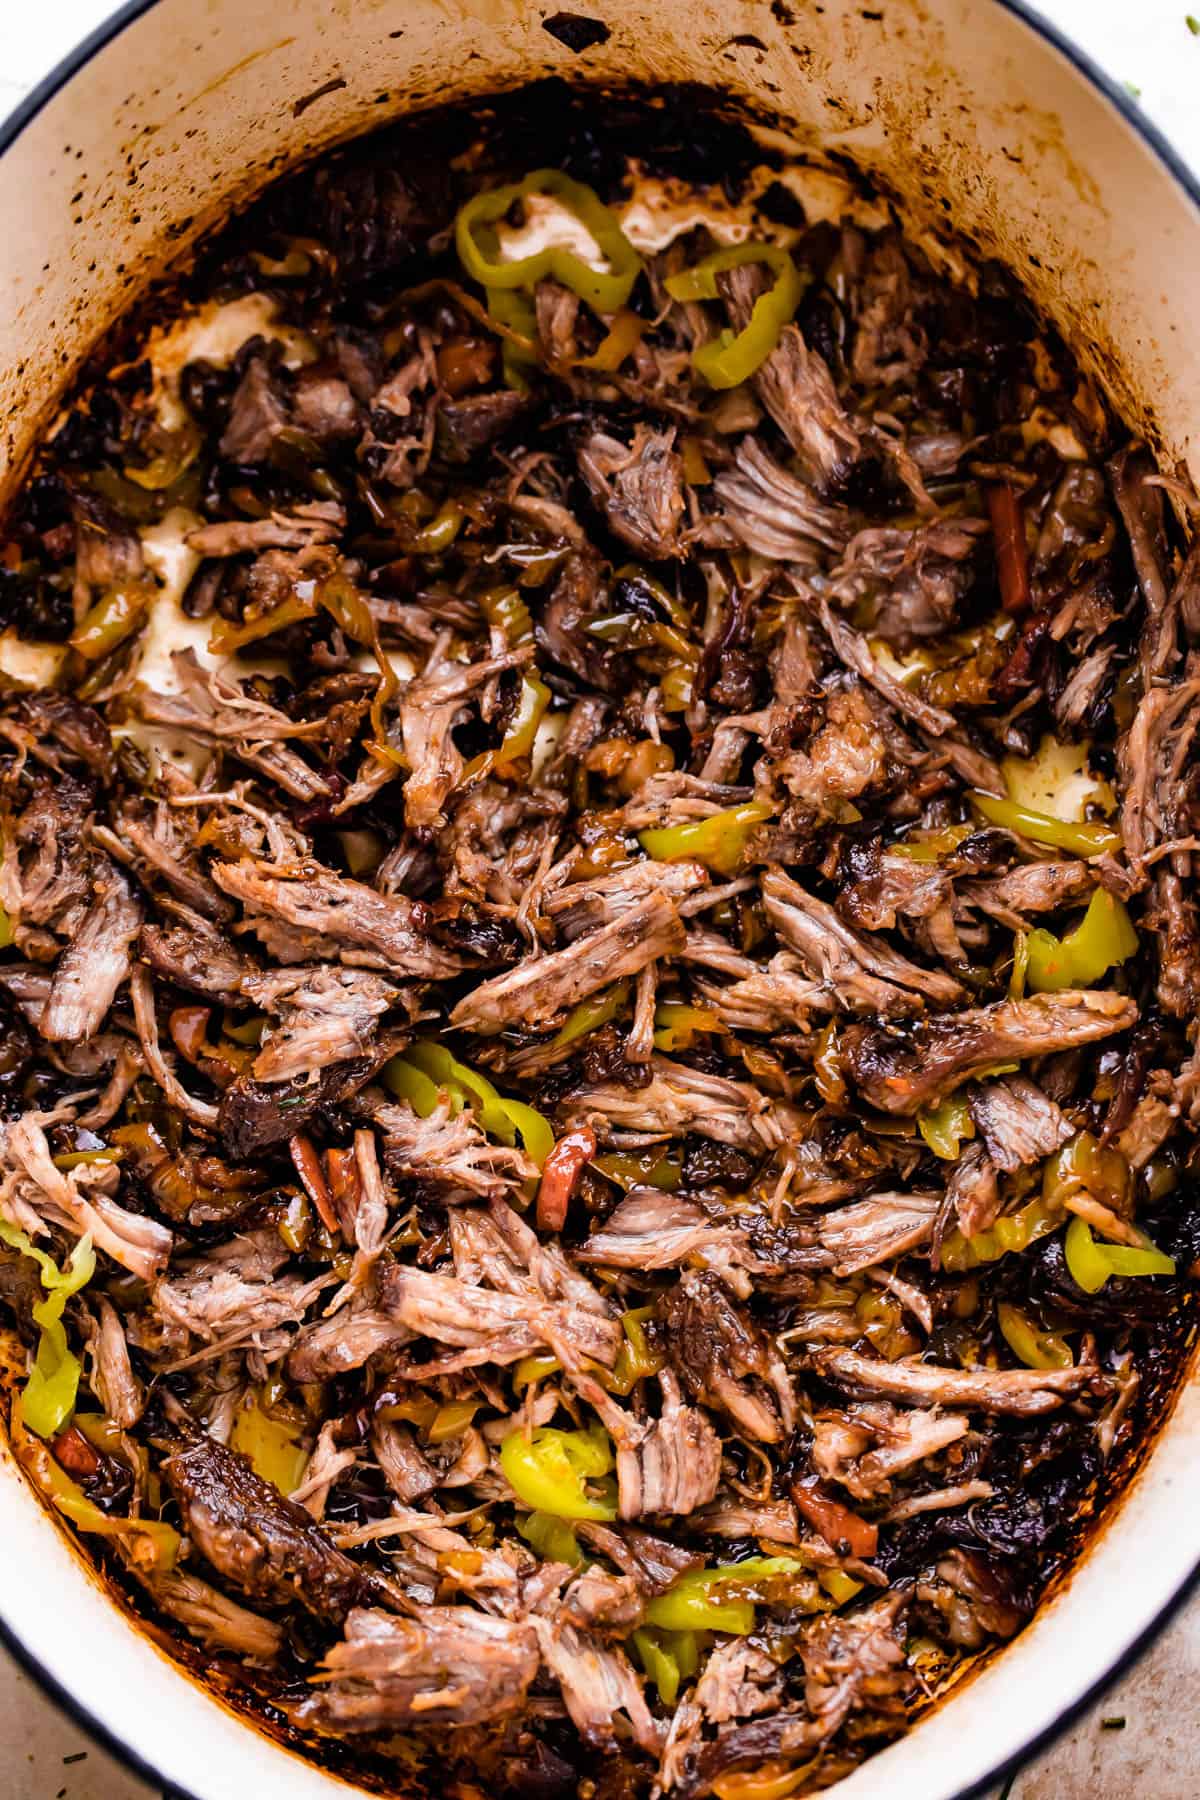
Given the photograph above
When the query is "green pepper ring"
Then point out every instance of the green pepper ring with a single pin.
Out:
(606, 291)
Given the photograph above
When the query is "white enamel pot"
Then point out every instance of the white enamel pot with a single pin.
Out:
(971, 111)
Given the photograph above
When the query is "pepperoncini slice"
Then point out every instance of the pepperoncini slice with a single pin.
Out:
(696, 471)
(110, 621)
(677, 1027)
(552, 1538)
(945, 1127)
(773, 1780)
(499, 1116)
(716, 1599)
(650, 1168)
(625, 332)
(269, 1443)
(504, 608)
(1091, 1263)
(667, 1659)
(676, 687)
(1084, 1165)
(730, 358)
(411, 1084)
(840, 1587)
(478, 248)
(548, 1471)
(589, 1015)
(930, 846)
(154, 1544)
(227, 636)
(1011, 1232)
(694, 1604)
(451, 1420)
(1040, 828)
(515, 311)
(1103, 939)
(439, 534)
(1020, 966)
(719, 841)
(534, 1368)
(517, 744)
(48, 1397)
(1035, 1348)
(636, 1358)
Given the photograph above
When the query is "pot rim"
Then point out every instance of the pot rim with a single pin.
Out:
(1181, 171)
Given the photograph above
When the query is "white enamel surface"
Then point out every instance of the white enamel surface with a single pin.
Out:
(948, 100)
(66, 1623)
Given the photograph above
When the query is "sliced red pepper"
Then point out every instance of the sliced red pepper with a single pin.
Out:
(1012, 554)
(308, 1168)
(71, 1450)
(1023, 667)
(343, 1187)
(835, 1522)
(560, 1176)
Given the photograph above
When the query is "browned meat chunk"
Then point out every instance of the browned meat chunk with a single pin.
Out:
(904, 1071)
(796, 387)
(653, 1230)
(322, 1014)
(671, 1464)
(195, 956)
(452, 1665)
(973, 1190)
(772, 513)
(640, 488)
(209, 1616)
(1019, 1391)
(1018, 1123)
(598, 1683)
(969, 1601)
(1030, 888)
(865, 1447)
(654, 1564)
(682, 1099)
(725, 1360)
(540, 988)
(875, 1230)
(482, 1326)
(258, 414)
(95, 963)
(381, 931)
(253, 1115)
(259, 1540)
(445, 1152)
(861, 973)
(346, 1341)
(318, 522)
(221, 712)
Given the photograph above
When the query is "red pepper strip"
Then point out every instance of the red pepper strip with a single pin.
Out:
(835, 1522)
(1012, 555)
(71, 1450)
(343, 1187)
(1022, 668)
(308, 1168)
(223, 1063)
(560, 1176)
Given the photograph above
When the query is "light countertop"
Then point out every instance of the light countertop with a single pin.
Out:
(1143, 1737)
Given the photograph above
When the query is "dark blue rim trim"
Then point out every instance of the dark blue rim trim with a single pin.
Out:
(1131, 112)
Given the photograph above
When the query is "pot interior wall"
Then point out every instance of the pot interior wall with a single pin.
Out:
(965, 114)
(954, 104)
